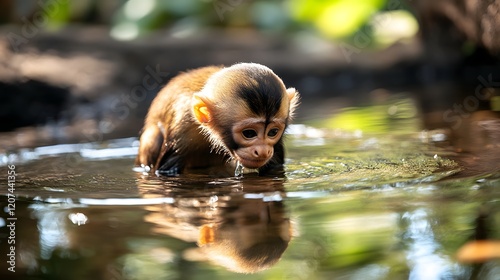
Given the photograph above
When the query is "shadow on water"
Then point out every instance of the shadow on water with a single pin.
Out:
(392, 205)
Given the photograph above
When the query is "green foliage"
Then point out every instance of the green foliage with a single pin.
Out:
(394, 115)
(57, 13)
(335, 18)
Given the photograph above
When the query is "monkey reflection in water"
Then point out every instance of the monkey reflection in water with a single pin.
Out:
(215, 118)
(242, 234)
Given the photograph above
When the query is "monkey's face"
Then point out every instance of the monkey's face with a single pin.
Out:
(243, 110)
(255, 140)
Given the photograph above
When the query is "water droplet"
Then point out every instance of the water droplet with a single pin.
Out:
(78, 218)
(146, 168)
(213, 200)
(238, 172)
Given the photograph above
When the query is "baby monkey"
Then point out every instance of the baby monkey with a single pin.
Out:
(215, 117)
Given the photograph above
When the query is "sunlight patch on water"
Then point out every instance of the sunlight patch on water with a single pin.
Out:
(127, 201)
(82, 202)
(266, 197)
(304, 135)
(59, 149)
(109, 153)
(423, 254)
(307, 194)
(116, 148)
(52, 230)
(53, 189)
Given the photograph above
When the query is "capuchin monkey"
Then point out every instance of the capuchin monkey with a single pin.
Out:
(216, 117)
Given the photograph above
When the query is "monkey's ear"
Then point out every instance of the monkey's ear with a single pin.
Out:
(200, 109)
(207, 235)
(291, 93)
(294, 97)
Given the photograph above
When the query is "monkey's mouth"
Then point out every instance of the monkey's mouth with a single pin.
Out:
(252, 163)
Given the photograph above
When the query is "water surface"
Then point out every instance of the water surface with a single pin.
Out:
(352, 206)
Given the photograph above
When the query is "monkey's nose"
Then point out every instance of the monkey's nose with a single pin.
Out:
(262, 152)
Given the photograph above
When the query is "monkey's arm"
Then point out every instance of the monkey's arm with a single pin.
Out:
(156, 153)
(151, 143)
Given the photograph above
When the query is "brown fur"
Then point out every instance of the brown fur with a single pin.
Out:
(194, 112)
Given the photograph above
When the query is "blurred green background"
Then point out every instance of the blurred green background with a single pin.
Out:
(128, 20)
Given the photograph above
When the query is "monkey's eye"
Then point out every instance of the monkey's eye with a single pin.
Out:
(273, 132)
(249, 133)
